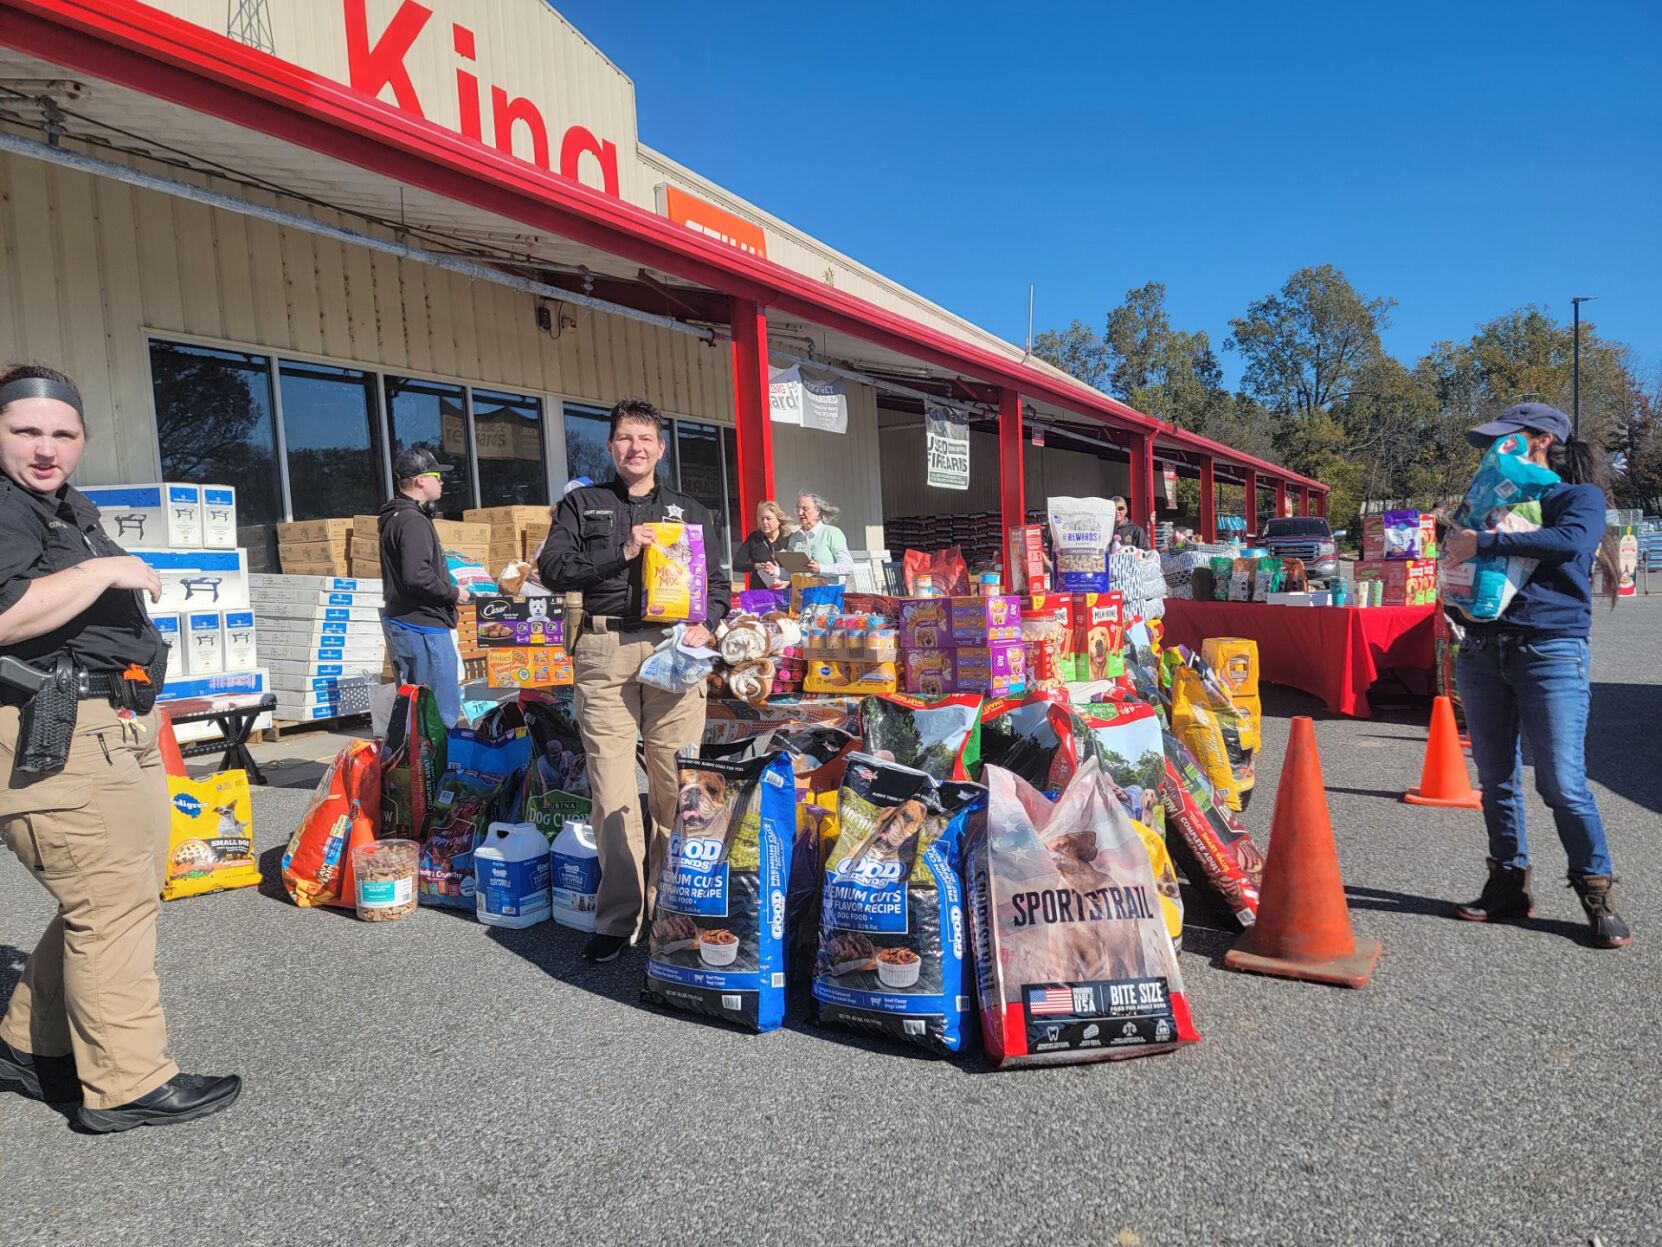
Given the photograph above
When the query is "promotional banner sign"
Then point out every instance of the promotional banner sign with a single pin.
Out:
(813, 399)
(1169, 473)
(949, 447)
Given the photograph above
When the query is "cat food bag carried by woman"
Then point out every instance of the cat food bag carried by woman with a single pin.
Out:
(892, 950)
(1073, 958)
(719, 943)
(673, 574)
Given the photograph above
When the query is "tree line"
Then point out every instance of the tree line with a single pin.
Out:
(1320, 395)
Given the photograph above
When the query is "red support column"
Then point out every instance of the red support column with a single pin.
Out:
(1208, 500)
(750, 409)
(1141, 501)
(1321, 504)
(1012, 479)
(1280, 498)
(1304, 500)
(1249, 499)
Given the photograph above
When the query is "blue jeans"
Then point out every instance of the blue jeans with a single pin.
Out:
(1541, 687)
(428, 658)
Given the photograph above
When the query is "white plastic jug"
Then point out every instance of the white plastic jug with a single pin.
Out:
(511, 869)
(574, 864)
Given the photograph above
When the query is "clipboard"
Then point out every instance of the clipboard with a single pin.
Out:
(792, 562)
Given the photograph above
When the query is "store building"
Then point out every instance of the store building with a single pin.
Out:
(276, 242)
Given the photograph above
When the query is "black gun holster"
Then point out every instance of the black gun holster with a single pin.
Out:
(47, 721)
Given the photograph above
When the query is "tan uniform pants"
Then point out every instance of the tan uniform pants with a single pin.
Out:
(95, 835)
(613, 707)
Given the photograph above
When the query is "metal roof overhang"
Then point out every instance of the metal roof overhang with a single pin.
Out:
(303, 130)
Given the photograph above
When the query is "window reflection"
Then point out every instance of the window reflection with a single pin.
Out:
(333, 444)
(431, 416)
(507, 429)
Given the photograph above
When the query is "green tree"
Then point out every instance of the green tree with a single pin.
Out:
(1077, 351)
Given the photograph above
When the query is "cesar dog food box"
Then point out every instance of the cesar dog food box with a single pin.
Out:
(893, 939)
(719, 944)
(525, 640)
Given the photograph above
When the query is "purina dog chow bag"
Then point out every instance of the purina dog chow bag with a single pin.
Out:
(719, 942)
(892, 934)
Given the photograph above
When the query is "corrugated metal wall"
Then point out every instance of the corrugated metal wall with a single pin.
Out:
(1047, 470)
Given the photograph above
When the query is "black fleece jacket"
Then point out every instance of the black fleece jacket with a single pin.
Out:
(416, 582)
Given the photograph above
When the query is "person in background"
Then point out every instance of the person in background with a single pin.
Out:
(1529, 670)
(1126, 532)
(85, 1019)
(595, 546)
(820, 538)
(419, 617)
(757, 553)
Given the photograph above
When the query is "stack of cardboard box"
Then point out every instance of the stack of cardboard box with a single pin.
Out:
(515, 532)
(316, 548)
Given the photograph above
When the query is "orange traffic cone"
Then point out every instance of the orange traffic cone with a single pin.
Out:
(1303, 928)
(1443, 779)
(173, 761)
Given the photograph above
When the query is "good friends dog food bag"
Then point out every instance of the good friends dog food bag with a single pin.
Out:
(719, 941)
(892, 934)
(1072, 956)
(673, 580)
(1130, 746)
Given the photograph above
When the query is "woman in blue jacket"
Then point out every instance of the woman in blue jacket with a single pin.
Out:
(1528, 671)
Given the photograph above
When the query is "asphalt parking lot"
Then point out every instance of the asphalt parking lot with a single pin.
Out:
(435, 1080)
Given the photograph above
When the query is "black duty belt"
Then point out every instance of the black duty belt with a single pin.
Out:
(616, 623)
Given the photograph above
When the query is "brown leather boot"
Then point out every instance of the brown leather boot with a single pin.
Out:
(1505, 895)
(1607, 928)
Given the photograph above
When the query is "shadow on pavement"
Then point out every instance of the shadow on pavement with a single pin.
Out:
(1389, 902)
(1621, 742)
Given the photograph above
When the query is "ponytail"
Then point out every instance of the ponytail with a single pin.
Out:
(1583, 463)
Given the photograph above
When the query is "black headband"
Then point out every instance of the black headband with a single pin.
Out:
(39, 387)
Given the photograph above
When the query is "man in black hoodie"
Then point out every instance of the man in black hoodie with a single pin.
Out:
(419, 616)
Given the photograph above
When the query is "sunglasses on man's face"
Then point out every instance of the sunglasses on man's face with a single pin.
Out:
(432, 476)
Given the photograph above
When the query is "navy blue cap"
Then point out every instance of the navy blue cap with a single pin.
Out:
(1536, 417)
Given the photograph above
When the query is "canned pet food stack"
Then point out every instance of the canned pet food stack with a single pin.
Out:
(574, 869)
(511, 870)
(385, 874)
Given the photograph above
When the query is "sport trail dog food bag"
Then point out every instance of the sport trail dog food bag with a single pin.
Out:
(1130, 747)
(941, 737)
(891, 923)
(673, 574)
(1210, 844)
(720, 942)
(1072, 955)
(411, 763)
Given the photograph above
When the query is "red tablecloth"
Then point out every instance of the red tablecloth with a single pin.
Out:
(1335, 652)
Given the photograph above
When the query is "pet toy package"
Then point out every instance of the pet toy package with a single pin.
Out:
(892, 935)
(673, 574)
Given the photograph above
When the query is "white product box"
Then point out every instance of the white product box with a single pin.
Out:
(200, 579)
(150, 516)
(168, 626)
(366, 655)
(302, 712)
(272, 639)
(312, 584)
(275, 610)
(316, 686)
(226, 684)
(204, 642)
(293, 603)
(287, 669)
(239, 641)
(219, 517)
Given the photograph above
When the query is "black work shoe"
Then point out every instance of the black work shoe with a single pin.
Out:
(48, 1078)
(603, 948)
(1505, 895)
(186, 1097)
(1605, 925)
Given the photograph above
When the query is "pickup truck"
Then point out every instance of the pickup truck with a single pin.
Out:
(1304, 537)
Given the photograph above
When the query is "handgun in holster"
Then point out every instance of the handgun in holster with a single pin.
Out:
(47, 720)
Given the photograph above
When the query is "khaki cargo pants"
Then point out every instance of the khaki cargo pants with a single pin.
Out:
(95, 835)
(613, 708)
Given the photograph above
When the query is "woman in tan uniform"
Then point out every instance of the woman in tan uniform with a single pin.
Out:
(84, 802)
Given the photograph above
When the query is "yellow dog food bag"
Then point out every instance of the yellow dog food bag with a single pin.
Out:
(1165, 880)
(1197, 727)
(210, 844)
(673, 579)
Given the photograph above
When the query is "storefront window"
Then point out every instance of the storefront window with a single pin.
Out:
(699, 453)
(329, 425)
(431, 416)
(738, 525)
(214, 425)
(507, 428)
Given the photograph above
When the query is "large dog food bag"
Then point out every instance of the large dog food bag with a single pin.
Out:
(1211, 846)
(719, 943)
(892, 934)
(1505, 496)
(1072, 955)
(411, 763)
(941, 736)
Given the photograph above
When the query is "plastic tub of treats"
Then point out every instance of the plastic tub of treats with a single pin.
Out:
(384, 872)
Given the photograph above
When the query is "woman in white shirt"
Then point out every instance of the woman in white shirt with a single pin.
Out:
(820, 539)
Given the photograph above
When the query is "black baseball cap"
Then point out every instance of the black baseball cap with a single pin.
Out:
(1536, 417)
(416, 462)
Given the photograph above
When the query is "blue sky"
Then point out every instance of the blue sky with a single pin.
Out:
(1462, 158)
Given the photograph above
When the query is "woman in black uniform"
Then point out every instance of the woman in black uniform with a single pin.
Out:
(84, 801)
